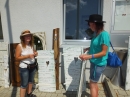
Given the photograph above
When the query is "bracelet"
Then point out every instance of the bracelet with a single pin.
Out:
(92, 56)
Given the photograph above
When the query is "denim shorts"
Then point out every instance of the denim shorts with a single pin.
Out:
(95, 72)
(27, 76)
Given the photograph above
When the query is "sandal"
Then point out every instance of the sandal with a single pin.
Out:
(31, 95)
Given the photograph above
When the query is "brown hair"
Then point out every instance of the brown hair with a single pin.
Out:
(26, 32)
(99, 26)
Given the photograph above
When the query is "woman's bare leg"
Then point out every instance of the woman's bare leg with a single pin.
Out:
(29, 89)
(22, 92)
(93, 89)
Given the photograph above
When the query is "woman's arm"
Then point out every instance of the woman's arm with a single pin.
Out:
(100, 54)
(18, 54)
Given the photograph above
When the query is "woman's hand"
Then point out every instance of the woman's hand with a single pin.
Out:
(31, 56)
(81, 57)
(35, 54)
(85, 57)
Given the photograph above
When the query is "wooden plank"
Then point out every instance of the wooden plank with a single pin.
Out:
(46, 71)
(14, 66)
(72, 67)
(82, 74)
(56, 54)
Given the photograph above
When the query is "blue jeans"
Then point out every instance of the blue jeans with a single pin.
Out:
(95, 72)
(27, 76)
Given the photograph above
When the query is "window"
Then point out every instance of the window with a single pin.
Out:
(75, 14)
(1, 33)
(121, 16)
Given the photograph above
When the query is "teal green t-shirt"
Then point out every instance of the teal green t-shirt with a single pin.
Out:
(96, 47)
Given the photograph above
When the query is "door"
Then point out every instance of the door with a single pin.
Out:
(14, 66)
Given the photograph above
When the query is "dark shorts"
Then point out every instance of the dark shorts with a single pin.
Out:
(27, 76)
(95, 72)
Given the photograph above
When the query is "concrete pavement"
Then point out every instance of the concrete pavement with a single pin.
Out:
(14, 92)
(108, 90)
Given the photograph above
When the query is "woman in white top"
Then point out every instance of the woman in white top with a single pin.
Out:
(25, 54)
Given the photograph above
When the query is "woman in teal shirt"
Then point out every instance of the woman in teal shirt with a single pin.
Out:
(98, 51)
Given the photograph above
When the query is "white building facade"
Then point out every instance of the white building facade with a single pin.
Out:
(46, 15)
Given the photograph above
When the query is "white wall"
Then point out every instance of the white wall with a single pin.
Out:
(35, 15)
(40, 15)
(107, 14)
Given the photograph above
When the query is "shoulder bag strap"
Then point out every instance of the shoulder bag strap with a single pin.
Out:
(112, 46)
(28, 66)
(24, 62)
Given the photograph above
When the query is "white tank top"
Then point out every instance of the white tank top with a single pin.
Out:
(26, 51)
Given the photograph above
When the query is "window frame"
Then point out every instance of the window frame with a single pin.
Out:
(75, 42)
(1, 39)
(113, 21)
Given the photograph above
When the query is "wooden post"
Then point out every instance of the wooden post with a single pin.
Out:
(56, 54)
(14, 66)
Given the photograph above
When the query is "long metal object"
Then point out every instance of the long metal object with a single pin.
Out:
(79, 92)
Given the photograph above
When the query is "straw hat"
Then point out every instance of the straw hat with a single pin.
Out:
(25, 32)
